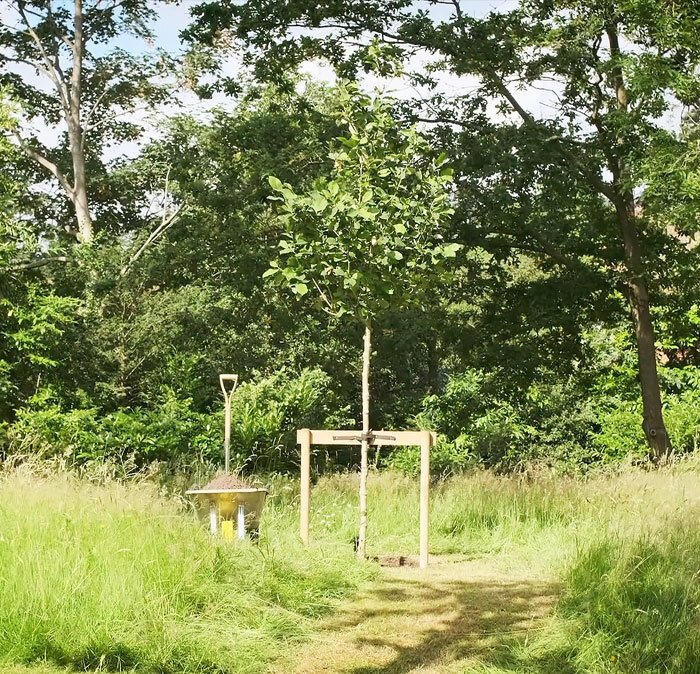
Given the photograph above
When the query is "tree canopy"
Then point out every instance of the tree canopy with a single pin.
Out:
(369, 237)
(553, 146)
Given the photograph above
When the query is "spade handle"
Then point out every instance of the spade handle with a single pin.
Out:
(228, 382)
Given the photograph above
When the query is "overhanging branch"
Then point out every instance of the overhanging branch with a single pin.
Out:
(50, 166)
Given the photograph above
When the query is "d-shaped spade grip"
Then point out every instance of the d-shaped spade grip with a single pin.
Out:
(228, 382)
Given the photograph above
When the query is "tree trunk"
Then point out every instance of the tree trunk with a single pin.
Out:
(75, 132)
(364, 449)
(638, 296)
(80, 198)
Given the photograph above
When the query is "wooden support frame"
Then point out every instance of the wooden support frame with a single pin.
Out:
(423, 439)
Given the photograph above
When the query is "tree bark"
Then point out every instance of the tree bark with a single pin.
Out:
(364, 449)
(80, 198)
(638, 297)
(69, 93)
(75, 132)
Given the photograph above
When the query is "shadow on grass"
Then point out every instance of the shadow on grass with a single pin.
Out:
(473, 623)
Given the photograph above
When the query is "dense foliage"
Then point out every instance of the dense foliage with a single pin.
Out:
(565, 217)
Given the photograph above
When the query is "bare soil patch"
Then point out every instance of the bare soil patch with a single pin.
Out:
(226, 482)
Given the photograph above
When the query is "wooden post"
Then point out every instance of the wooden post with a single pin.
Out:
(425, 439)
(426, 442)
(304, 439)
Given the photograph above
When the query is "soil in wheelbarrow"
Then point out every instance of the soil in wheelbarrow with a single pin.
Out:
(227, 482)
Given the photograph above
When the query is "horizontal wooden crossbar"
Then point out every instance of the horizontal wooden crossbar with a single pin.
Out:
(352, 437)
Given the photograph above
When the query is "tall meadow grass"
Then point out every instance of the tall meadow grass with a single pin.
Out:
(116, 576)
(119, 575)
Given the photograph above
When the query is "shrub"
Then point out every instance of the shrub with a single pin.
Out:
(621, 434)
(265, 415)
(478, 425)
(171, 431)
(550, 423)
(447, 457)
(267, 412)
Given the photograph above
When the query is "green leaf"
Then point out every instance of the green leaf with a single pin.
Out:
(399, 228)
(318, 202)
(300, 289)
(451, 249)
(275, 183)
(397, 254)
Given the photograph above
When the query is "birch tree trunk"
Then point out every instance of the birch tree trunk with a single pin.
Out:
(364, 449)
(75, 131)
(68, 90)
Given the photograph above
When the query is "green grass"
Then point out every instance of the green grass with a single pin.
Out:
(630, 605)
(626, 548)
(513, 519)
(117, 576)
(635, 602)
(628, 555)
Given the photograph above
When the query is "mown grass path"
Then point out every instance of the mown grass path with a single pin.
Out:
(456, 616)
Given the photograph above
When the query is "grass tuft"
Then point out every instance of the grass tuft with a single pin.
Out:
(635, 604)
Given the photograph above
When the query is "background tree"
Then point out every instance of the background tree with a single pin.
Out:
(613, 70)
(34, 317)
(64, 64)
(369, 238)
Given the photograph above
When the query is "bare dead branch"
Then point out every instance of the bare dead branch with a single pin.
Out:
(167, 221)
(17, 265)
(156, 234)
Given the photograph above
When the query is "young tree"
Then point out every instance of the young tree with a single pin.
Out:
(369, 238)
(60, 60)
